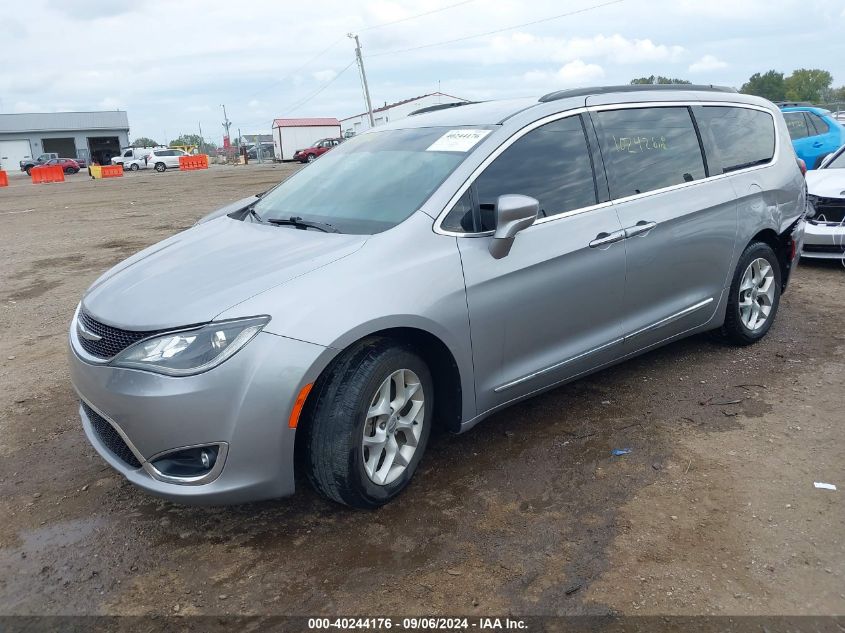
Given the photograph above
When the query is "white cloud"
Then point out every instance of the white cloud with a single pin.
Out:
(706, 64)
(575, 72)
(324, 75)
(110, 103)
(614, 48)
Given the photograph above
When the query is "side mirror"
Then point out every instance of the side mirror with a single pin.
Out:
(513, 214)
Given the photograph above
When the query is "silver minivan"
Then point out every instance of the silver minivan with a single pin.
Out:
(431, 272)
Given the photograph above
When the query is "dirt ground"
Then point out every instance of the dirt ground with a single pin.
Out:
(713, 511)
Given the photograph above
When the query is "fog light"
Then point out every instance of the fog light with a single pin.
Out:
(188, 463)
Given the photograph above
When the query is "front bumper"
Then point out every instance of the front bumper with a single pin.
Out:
(243, 404)
(823, 240)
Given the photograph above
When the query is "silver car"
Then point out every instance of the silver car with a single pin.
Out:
(432, 272)
(825, 231)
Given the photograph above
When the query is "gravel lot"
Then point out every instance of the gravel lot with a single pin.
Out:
(713, 511)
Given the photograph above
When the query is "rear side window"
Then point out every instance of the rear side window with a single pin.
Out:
(743, 137)
(817, 123)
(649, 148)
(797, 125)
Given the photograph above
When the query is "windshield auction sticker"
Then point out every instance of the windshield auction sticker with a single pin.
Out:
(458, 141)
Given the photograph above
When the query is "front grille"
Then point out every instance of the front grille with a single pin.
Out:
(111, 438)
(825, 248)
(113, 341)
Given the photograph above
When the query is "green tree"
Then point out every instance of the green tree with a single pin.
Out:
(187, 139)
(770, 85)
(195, 139)
(807, 84)
(660, 79)
(143, 141)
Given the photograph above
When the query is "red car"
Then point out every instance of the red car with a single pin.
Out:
(320, 147)
(69, 165)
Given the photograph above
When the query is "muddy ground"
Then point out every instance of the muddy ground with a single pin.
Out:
(713, 511)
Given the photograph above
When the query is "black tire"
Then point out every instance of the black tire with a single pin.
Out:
(310, 158)
(333, 453)
(734, 330)
(134, 167)
(29, 171)
(160, 167)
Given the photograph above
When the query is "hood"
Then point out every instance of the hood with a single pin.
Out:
(826, 183)
(194, 276)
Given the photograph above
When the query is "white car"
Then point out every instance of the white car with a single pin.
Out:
(824, 234)
(162, 159)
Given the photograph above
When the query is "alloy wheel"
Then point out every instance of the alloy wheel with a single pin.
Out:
(393, 426)
(756, 294)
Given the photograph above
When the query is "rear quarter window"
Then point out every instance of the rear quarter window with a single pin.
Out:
(742, 137)
(645, 149)
(797, 125)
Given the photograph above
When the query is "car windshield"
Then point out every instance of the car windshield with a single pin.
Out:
(838, 162)
(371, 182)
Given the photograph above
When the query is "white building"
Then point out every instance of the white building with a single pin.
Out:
(394, 112)
(291, 135)
(94, 136)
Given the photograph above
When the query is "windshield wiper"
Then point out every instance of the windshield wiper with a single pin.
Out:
(253, 213)
(299, 223)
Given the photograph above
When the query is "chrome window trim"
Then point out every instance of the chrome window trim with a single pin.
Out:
(438, 223)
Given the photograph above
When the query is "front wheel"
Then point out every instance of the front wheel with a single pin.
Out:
(160, 167)
(311, 158)
(369, 424)
(755, 295)
(134, 167)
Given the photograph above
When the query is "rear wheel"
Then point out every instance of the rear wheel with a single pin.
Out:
(755, 295)
(369, 424)
(160, 167)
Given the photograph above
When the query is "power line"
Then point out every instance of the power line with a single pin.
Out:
(414, 17)
(502, 30)
(339, 40)
(318, 91)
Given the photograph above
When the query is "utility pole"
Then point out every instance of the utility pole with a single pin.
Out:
(202, 140)
(360, 59)
(226, 123)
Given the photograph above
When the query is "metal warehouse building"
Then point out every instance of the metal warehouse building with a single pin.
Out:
(94, 136)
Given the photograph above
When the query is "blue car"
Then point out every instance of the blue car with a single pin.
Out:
(815, 133)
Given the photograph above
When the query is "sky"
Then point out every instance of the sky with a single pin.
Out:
(172, 63)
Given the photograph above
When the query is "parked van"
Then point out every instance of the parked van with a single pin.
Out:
(432, 272)
(134, 158)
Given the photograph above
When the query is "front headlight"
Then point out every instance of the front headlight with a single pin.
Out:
(193, 351)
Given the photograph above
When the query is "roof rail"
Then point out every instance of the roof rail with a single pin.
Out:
(441, 106)
(601, 90)
(794, 104)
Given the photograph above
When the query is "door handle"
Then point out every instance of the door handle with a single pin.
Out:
(605, 239)
(817, 144)
(639, 228)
